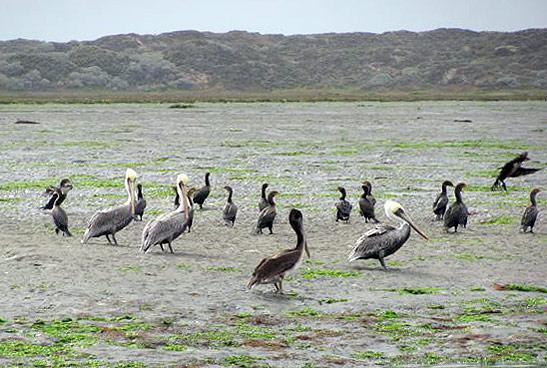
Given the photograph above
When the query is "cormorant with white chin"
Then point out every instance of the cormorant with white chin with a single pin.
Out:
(367, 203)
(203, 193)
(64, 187)
(263, 202)
(230, 209)
(457, 212)
(439, 206)
(109, 222)
(267, 215)
(531, 213)
(385, 240)
(272, 270)
(60, 218)
(141, 203)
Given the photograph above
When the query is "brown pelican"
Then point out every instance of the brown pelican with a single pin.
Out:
(203, 193)
(109, 222)
(272, 270)
(263, 202)
(141, 204)
(343, 207)
(267, 215)
(531, 213)
(167, 227)
(60, 218)
(64, 187)
(367, 202)
(385, 240)
(457, 212)
(439, 206)
(512, 169)
(230, 210)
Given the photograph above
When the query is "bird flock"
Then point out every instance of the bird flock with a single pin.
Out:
(376, 243)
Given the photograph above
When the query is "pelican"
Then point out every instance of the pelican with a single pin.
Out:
(60, 218)
(367, 202)
(167, 227)
(385, 240)
(272, 270)
(267, 215)
(230, 210)
(512, 169)
(263, 202)
(531, 213)
(203, 193)
(457, 212)
(439, 206)
(141, 203)
(64, 187)
(109, 222)
(343, 207)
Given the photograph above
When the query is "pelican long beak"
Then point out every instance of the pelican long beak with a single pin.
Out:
(131, 185)
(184, 199)
(307, 249)
(407, 218)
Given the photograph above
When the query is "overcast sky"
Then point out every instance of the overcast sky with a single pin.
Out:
(65, 20)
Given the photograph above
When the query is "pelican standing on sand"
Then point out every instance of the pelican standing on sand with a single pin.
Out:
(385, 240)
(109, 222)
(513, 169)
(230, 209)
(343, 207)
(457, 212)
(203, 193)
(141, 204)
(367, 203)
(167, 227)
(263, 202)
(60, 218)
(272, 270)
(439, 206)
(531, 213)
(267, 215)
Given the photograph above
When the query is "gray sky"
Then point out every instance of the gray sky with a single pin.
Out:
(65, 20)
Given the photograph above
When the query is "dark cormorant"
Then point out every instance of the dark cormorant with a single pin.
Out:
(267, 215)
(109, 222)
(457, 212)
(531, 213)
(263, 202)
(384, 240)
(272, 270)
(230, 209)
(343, 207)
(60, 218)
(141, 204)
(439, 206)
(367, 202)
(64, 187)
(203, 193)
(513, 169)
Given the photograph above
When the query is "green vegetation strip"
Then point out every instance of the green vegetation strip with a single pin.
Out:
(317, 273)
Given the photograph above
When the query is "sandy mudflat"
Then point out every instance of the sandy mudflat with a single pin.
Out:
(65, 304)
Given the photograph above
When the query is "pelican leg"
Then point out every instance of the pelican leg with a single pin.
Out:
(381, 259)
(114, 238)
(280, 287)
(170, 248)
(161, 246)
(56, 231)
(108, 238)
(271, 231)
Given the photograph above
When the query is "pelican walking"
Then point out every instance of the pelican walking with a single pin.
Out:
(457, 212)
(367, 203)
(531, 213)
(203, 193)
(267, 215)
(343, 207)
(230, 209)
(512, 169)
(263, 202)
(167, 227)
(439, 206)
(109, 222)
(385, 240)
(272, 270)
(141, 203)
